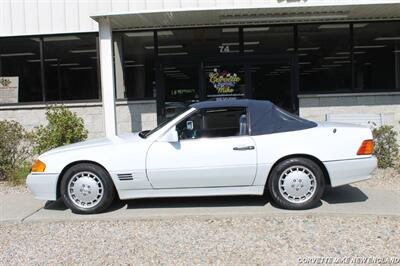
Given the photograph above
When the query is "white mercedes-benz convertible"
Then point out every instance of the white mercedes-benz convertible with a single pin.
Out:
(232, 147)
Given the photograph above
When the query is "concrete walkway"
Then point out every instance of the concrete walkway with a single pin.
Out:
(346, 200)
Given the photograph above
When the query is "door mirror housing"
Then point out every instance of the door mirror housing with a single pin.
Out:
(170, 136)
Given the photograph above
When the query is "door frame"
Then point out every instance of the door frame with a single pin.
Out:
(245, 60)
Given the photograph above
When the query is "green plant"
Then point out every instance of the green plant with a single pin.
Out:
(15, 148)
(386, 146)
(18, 175)
(64, 127)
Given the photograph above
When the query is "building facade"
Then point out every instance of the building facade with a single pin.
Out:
(131, 63)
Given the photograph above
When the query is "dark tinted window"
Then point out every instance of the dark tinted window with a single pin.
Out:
(137, 49)
(20, 62)
(324, 57)
(376, 54)
(212, 123)
(70, 67)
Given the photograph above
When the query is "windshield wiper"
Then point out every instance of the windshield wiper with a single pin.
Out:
(142, 134)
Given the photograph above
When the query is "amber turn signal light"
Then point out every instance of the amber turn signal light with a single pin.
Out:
(38, 167)
(366, 148)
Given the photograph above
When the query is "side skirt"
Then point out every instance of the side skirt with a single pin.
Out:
(190, 192)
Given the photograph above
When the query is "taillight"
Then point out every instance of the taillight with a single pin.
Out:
(366, 148)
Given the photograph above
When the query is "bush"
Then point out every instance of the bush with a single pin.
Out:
(18, 176)
(15, 148)
(64, 127)
(386, 146)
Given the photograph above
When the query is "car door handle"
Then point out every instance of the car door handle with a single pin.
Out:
(243, 148)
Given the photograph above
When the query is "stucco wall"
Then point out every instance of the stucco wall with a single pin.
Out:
(317, 107)
(131, 116)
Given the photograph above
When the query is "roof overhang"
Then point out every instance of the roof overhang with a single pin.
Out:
(296, 12)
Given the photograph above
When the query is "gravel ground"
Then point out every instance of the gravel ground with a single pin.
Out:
(388, 179)
(6, 188)
(199, 241)
(277, 239)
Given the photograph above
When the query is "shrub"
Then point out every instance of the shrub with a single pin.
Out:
(64, 127)
(19, 174)
(15, 148)
(386, 146)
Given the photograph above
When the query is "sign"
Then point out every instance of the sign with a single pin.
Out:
(9, 89)
(179, 92)
(224, 49)
(223, 83)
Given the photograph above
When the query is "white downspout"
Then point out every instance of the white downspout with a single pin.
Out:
(107, 77)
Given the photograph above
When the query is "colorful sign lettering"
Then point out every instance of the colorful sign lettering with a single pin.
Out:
(224, 82)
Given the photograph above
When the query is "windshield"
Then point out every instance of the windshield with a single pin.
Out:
(145, 133)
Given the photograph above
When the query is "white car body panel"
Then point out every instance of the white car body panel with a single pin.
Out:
(204, 167)
(202, 163)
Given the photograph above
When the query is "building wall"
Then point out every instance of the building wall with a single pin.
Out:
(131, 116)
(30, 17)
(317, 107)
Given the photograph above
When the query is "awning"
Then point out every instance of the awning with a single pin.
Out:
(270, 14)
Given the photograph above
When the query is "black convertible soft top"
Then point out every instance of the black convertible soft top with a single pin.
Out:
(265, 117)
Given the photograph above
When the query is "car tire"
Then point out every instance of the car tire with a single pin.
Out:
(296, 184)
(87, 189)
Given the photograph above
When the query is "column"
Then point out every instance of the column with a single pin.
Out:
(107, 76)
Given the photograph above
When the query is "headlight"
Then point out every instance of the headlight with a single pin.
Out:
(38, 167)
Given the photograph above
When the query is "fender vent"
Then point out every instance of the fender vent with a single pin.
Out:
(125, 177)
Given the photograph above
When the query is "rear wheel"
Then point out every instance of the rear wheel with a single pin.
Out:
(296, 183)
(87, 188)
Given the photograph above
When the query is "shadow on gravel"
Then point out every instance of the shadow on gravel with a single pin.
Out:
(344, 194)
(188, 202)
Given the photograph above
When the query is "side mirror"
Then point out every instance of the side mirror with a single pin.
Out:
(171, 136)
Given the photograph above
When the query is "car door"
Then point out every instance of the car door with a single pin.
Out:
(214, 150)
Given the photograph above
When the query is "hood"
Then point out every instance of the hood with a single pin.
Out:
(134, 137)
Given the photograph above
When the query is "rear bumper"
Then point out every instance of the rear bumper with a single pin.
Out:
(349, 171)
(43, 186)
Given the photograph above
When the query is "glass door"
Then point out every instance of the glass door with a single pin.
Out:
(181, 83)
(181, 87)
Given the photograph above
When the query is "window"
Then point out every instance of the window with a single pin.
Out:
(71, 67)
(181, 79)
(268, 40)
(377, 56)
(20, 62)
(214, 123)
(324, 57)
(198, 42)
(134, 64)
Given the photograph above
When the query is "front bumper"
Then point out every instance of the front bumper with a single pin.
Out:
(43, 186)
(349, 171)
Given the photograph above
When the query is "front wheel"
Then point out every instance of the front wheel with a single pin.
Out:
(87, 189)
(296, 184)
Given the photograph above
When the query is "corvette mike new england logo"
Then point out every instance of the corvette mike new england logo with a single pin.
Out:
(223, 82)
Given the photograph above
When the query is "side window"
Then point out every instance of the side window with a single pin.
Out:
(214, 123)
